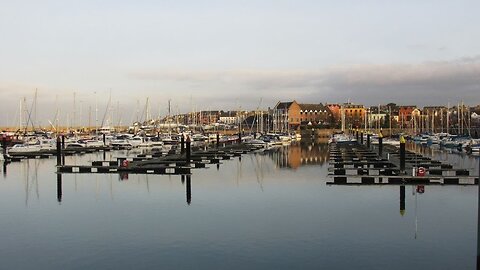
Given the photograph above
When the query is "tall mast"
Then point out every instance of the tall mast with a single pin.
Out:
(459, 119)
(448, 118)
(35, 117)
(74, 110)
(20, 127)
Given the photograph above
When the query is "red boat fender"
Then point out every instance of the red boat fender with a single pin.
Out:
(421, 189)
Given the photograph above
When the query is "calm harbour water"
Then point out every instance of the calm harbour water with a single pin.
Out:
(265, 211)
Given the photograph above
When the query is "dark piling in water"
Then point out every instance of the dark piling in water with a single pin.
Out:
(402, 155)
(188, 150)
(380, 145)
(182, 144)
(59, 152)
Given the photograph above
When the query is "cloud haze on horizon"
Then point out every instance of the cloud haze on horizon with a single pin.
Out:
(232, 54)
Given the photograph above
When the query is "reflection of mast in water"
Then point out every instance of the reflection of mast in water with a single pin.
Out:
(416, 216)
(26, 179)
(255, 168)
(37, 163)
(239, 171)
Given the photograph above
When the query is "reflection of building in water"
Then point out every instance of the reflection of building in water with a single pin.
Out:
(299, 154)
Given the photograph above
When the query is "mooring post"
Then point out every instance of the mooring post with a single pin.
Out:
(5, 169)
(59, 187)
(63, 141)
(182, 178)
(361, 137)
(368, 140)
(380, 145)
(4, 145)
(104, 137)
(182, 144)
(239, 135)
(187, 158)
(59, 152)
(356, 135)
(218, 140)
(189, 189)
(402, 155)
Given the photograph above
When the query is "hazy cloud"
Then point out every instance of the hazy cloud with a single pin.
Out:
(424, 83)
(421, 84)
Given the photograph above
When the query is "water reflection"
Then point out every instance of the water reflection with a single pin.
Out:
(456, 158)
(59, 187)
(300, 154)
(5, 169)
(188, 189)
(289, 219)
(402, 200)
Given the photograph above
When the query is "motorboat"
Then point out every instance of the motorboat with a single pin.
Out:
(121, 144)
(340, 139)
(199, 137)
(24, 148)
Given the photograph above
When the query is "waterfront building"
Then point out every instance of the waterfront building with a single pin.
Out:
(228, 117)
(405, 115)
(335, 109)
(354, 115)
(287, 116)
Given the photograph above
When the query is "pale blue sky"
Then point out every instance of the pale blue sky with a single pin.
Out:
(227, 54)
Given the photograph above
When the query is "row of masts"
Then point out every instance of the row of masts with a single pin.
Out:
(437, 121)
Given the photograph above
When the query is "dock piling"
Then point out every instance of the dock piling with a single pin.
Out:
(182, 144)
(402, 155)
(63, 141)
(368, 140)
(361, 137)
(188, 150)
(218, 140)
(59, 152)
(4, 145)
(380, 145)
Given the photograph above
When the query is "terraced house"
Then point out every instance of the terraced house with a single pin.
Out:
(291, 115)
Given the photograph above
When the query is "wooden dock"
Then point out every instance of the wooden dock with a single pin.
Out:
(356, 164)
(177, 164)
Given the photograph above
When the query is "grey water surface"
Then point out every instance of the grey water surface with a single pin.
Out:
(271, 210)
